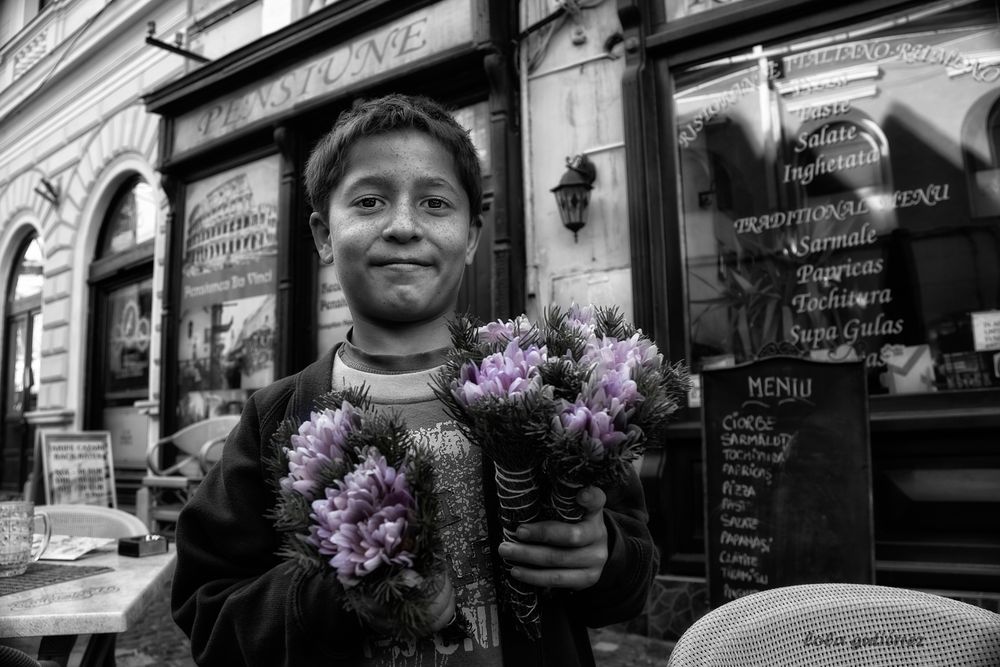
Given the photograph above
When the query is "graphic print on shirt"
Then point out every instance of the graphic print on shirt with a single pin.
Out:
(458, 477)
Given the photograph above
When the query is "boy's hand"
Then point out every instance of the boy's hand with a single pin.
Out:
(443, 607)
(554, 554)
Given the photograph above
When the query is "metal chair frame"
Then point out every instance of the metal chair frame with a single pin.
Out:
(167, 488)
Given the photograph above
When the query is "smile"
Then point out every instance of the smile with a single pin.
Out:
(401, 263)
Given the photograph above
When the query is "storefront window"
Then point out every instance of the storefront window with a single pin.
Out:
(129, 310)
(228, 290)
(841, 200)
(476, 119)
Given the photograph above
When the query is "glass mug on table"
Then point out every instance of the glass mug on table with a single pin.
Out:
(17, 527)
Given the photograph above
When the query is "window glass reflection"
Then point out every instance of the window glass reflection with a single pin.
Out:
(28, 279)
(834, 207)
(129, 328)
(131, 219)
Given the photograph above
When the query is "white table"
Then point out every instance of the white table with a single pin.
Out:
(101, 605)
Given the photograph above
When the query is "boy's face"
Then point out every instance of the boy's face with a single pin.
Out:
(399, 229)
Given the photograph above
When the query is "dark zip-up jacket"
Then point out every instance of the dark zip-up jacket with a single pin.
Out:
(240, 604)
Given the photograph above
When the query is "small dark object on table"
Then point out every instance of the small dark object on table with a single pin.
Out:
(142, 545)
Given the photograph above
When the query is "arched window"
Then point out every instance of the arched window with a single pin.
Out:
(121, 282)
(21, 361)
(130, 221)
(27, 279)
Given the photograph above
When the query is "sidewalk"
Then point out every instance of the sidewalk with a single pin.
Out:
(156, 641)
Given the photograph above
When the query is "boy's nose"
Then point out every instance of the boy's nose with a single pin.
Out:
(402, 224)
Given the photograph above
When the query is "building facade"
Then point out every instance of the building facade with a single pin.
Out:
(769, 175)
(80, 191)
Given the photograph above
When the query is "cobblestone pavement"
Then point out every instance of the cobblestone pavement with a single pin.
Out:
(156, 641)
(618, 649)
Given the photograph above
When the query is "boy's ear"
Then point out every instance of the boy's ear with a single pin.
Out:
(475, 231)
(321, 237)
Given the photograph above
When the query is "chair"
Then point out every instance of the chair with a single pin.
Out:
(168, 487)
(15, 657)
(841, 625)
(92, 521)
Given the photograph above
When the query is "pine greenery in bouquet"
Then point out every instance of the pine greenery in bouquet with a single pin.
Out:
(355, 498)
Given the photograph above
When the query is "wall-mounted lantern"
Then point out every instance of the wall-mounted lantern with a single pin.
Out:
(573, 192)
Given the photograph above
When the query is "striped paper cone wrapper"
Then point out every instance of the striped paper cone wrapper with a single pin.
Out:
(525, 605)
(518, 494)
(519, 503)
(563, 500)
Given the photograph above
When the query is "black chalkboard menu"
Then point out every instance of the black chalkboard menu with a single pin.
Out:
(787, 475)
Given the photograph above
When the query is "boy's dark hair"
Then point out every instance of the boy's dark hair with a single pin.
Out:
(369, 118)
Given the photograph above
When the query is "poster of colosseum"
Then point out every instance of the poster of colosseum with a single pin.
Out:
(228, 286)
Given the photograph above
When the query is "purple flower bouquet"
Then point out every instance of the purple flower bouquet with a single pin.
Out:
(628, 396)
(355, 497)
(493, 388)
(557, 407)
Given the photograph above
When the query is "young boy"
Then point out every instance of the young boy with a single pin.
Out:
(396, 189)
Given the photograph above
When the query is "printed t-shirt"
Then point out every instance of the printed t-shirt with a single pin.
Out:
(403, 384)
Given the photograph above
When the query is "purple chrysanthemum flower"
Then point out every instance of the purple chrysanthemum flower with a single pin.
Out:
(364, 522)
(613, 392)
(613, 354)
(503, 374)
(500, 331)
(581, 318)
(596, 428)
(320, 441)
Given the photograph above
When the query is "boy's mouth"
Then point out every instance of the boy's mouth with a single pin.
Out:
(400, 261)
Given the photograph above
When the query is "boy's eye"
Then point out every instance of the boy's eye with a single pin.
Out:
(368, 202)
(436, 203)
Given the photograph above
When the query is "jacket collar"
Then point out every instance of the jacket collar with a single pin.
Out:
(314, 380)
